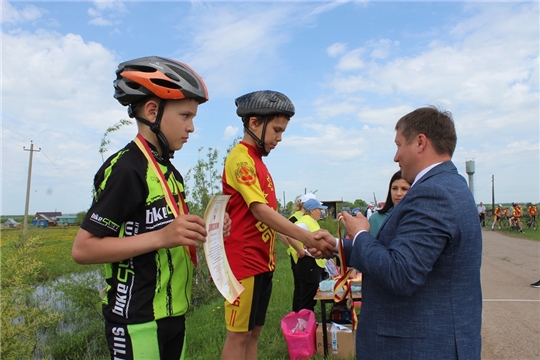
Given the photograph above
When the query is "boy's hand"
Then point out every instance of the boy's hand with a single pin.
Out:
(325, 243)
(227, 222)
(187, 230)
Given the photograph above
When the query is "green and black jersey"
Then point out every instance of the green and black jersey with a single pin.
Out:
(128, 201)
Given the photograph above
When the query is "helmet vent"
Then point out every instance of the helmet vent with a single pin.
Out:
(184, 75)
(146, 69)
(133, 85)
(165, 83)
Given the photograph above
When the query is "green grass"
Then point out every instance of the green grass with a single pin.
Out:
(205, 322)
(54, 253)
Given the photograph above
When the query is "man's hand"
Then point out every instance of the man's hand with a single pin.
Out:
(187, 230)
(354, 224)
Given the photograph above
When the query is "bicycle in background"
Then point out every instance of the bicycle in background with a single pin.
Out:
(505, 222)
(532, 223)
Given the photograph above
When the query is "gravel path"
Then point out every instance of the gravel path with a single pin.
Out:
(511, 313)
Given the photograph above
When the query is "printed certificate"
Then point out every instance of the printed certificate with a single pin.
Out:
(214, 250)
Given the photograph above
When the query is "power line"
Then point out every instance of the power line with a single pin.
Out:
(65, 177)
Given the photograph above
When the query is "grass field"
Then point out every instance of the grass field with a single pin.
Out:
(205, 321)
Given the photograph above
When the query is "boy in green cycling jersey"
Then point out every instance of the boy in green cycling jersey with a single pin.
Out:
(138, 224)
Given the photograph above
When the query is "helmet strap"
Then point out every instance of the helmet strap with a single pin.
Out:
(260, 142)
(166, 154)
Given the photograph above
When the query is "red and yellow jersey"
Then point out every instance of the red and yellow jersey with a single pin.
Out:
(498, 211)
(506, 212)
(250, 246)
(516, 211)
(532, 210)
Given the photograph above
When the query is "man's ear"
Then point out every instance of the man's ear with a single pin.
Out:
(421, 142)
(150, 109)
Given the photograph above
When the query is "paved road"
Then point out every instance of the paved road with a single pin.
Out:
(511, 315)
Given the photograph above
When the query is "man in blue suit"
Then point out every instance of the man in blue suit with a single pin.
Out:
(421, 290)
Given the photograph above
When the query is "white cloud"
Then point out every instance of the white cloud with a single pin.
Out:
(106, 13)
(238, 45)
(62, 100)
(352, 60)
(13, 15)
(336, 49)
(230, 132)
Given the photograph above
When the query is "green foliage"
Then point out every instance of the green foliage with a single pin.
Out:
(80, 217)
(80, 334)
(23, 317)
(206, 181)
(111, 129)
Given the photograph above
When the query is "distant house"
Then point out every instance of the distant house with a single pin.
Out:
(43, 219)
(10, 223)
(66, 220)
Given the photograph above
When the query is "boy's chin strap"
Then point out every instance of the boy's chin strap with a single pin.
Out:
(166, 154)
(260, 142)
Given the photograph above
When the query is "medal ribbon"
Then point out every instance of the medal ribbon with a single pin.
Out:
(169, 198)
(343, 282)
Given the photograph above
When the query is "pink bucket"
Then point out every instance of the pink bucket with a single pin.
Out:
(299, 330)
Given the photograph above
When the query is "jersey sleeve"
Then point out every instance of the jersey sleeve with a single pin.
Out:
(118, 193)
(241, 175)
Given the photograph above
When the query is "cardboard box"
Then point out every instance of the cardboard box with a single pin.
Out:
(341, 344)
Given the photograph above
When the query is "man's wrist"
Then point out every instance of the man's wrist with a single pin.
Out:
(358, 233)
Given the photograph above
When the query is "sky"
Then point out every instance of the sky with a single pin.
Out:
(351, 68)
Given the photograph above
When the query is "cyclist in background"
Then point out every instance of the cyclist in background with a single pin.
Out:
(517, 213)
(532, 211)
(497, 217)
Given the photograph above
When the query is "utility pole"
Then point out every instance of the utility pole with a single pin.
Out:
(493, 196)
(25, 223)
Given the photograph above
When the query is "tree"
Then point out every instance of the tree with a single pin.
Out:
(105, 141)
(207, 181)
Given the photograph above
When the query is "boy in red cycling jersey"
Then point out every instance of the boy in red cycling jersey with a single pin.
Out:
(253, 210)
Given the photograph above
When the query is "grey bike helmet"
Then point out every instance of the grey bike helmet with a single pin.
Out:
(165, 78)
(265, 104)
(153, 75)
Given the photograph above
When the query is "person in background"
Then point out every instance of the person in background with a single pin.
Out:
(481, 213)
(497, 218)
(506, 213)
(532, 211)
(397, 189)
(308, 271)
(369, 210)
(294, 248)
(253, 209)
(421, 284)
(517, 213)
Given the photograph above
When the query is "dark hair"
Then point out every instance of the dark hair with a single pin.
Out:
(389, 203)
(435, 124)
(261, 119)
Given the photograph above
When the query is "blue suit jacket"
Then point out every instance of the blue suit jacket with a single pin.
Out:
(421, 290)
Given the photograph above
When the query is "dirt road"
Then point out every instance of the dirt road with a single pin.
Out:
(511, 315)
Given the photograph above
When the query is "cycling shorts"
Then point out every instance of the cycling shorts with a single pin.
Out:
(249, 309)
(161, 339)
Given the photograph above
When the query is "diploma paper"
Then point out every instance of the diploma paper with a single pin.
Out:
(214, 250)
